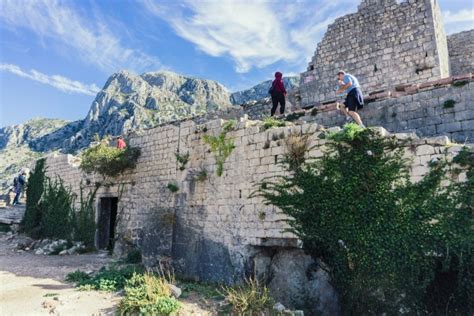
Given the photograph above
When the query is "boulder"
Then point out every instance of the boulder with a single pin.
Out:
(299, 283)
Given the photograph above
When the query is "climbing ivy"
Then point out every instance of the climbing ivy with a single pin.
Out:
(221, 146)
(390, 245)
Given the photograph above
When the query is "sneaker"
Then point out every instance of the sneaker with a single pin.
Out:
(348, 119)
(362, 125)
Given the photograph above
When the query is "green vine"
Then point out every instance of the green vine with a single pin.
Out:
(221, 146)
(390, 244)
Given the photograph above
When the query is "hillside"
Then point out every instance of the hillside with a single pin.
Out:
(260, 91)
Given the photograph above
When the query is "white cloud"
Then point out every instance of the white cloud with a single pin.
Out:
(59, 82)
(252, 33)
(89, 39)
(460, 16)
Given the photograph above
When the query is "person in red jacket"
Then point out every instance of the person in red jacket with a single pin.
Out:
(121, 143)
(278, 93)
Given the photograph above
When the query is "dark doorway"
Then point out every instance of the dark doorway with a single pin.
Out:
(106, 223)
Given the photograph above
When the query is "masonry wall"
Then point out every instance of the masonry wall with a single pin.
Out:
(461, 52)
(426, 109)
(383, 44)
(211, 229)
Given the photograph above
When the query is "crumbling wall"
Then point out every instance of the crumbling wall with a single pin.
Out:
(383, 44)
(461, 52)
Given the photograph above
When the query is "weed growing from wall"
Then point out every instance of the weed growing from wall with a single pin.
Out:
(182, 160)
(271, 122)
(390, 244)
(221, 146)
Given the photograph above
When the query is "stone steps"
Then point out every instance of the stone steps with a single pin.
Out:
(12, 215)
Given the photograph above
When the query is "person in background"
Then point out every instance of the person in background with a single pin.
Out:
(354, 98)
(278, 93)
(18, 187)
(121, 143)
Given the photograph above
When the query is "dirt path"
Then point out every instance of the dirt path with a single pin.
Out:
(34, 284)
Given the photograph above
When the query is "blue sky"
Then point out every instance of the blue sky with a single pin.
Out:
(55, 55)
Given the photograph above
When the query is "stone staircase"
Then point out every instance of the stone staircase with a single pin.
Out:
(11, 214)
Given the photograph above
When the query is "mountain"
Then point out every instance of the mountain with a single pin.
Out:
(130, 102)
(127, 102)
(260, 91)
(15, 152)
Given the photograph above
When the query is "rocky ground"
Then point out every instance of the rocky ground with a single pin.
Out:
(33, 284)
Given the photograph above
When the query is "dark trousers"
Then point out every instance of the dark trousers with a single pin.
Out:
(278, 97)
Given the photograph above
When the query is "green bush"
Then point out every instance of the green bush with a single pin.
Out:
(84, 219)
(148, 294)
(108, 280)
(57, 205)
(77, 276)
(34, 191)
(221, 146)
(270, 122)
(109, 161)
(249, 298)
(390, 244)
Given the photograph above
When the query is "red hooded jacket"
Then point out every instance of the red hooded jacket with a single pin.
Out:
(278, 83)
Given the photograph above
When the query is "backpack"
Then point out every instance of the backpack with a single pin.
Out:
(272, 89)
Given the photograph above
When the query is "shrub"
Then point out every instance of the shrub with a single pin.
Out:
(84, 219)
(57, 205)
(248, 298)
(107, 160)
(109, 280)
(390, 244)
(173, 187)
(148, 294)
(221, 146)
(270, 122)
(77, 277)
(134, 256)
(182, 160)
(34, 191)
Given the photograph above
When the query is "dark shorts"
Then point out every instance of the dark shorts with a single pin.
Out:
(354, 100)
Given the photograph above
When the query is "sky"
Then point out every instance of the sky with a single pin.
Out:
(56, 55)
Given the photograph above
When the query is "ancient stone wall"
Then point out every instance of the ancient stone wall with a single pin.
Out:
(442, 107)
(461, 52)
(383, 44)
(212, 229)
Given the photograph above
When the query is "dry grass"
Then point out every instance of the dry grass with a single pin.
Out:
(297, 145)
(249, 297)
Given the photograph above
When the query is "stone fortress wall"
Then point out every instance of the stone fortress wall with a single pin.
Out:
(440, 107)
(461, 52)
(213, 230)
(383, 44)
